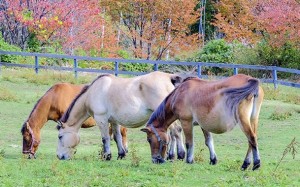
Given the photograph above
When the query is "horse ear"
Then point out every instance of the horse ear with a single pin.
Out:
(146, 130)
(176, 80)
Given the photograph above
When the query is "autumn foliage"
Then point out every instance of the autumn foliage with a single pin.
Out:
(147, 29)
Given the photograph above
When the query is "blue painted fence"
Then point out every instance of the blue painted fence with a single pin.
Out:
(116, 71)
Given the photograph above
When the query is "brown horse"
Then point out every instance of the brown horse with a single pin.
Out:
(217, 106)
(51, 106)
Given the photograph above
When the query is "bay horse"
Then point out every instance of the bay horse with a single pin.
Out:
(217, 106)
(115, 100)
(51, 106)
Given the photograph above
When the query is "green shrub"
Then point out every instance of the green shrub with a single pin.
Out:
(287, 56)
(215, 51)
(7, 47)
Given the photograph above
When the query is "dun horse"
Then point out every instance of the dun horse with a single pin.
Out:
(126, 101)
(217, 106)
(51, 106)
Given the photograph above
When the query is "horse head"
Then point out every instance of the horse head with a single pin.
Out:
(30, 142)
(68, 139)
(158, 140)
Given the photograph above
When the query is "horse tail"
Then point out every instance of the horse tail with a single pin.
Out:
(236, 95)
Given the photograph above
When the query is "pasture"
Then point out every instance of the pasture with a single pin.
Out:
(20, 89)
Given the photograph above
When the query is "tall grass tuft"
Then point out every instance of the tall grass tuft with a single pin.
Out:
(7, 95)
(290, 148)
(135, 159)
(280, 114)
(199, 155)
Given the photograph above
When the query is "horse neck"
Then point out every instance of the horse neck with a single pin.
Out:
(39, 116)
(163, 116)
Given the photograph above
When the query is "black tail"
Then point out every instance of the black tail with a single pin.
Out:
(236, 95)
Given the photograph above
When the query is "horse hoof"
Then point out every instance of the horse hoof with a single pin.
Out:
(191, 161)
(256, 165)
(245, 165)
(181, 155)
(107, 157)
(170, 157)
(213, 161)
(121, 156)
(31, 156)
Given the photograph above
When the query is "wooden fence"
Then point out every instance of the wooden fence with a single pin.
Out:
(117, 71)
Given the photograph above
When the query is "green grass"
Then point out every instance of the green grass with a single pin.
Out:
(279, 124)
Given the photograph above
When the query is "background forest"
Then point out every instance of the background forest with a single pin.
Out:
(265, 32)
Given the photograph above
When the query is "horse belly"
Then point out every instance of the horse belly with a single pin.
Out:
(218, 121)
(131, 117)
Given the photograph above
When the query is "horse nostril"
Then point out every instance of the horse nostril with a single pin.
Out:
(61, 157)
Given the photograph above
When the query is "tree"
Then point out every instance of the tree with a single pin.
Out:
(236, 19)
(152, 29)
(280, 21)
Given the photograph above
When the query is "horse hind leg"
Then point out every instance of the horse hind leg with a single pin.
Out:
(248, 125)
(175, 132)
(171, 152)
(118, 139)
(209, 142)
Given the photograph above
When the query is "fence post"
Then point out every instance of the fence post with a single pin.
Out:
(36, 64)
(274, 72)
(155, 67)
(235, 71)
(199, 68)
(75, 68)
(116, 68)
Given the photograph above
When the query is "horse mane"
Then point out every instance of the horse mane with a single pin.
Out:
(66, 115)
(36, 104)
(189, 78)
(159, 112)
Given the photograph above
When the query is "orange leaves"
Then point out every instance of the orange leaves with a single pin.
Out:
(278, 21)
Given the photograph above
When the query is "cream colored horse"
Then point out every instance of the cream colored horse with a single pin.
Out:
(115, 100)
(217, 106)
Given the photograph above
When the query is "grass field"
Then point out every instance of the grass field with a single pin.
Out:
(20, 89)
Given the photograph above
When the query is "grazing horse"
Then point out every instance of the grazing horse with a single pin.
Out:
(51, 106)
(217, 106)
(115, 100)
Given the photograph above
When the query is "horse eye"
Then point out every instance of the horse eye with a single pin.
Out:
(149, 140)
(60, 137)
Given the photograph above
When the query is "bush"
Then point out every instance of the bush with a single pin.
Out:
(215, 51)
(7, 47)
(287, 56)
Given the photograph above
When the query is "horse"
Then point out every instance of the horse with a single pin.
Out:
(51, 106)
(217, 106)
(115, 100)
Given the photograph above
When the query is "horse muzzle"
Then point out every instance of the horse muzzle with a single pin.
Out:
(158, 160)
(63, 157)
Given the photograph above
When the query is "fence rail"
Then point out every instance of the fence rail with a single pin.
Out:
(116, 71)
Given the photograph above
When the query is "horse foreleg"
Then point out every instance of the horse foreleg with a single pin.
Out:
(104, 129)
(187, 127)
(118, 140)
(209, 142)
